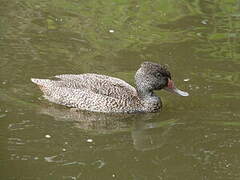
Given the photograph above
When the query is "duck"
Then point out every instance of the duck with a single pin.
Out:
(102, 93)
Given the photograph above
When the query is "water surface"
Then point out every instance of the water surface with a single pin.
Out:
(196, 137)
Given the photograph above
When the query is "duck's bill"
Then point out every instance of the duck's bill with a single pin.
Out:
(171, 88)
(176, 91)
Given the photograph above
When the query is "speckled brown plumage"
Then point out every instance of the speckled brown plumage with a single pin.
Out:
(100, 93)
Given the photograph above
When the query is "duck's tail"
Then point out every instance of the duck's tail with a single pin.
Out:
(45, 86)
(41, 82)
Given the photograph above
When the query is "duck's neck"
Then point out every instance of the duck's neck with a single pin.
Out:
(144, 92)
(144, 89)
(150, 101)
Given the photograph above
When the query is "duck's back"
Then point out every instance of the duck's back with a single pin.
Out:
(91, 92)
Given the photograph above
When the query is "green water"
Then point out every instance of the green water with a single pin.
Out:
(192, 138)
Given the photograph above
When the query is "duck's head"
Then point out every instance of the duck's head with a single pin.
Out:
(152, 76)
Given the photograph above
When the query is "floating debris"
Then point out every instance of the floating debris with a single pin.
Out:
(47, 136)
(111, 31)
(205, 21)
(187, 79)
(89, 140)
(199, 34)
(63, 149)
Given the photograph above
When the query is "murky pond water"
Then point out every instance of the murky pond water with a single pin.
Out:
(197, 137)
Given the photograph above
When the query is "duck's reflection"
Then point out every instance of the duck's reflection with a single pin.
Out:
(146, 134)
(144, 127)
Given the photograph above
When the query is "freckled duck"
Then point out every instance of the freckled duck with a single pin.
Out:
(100, 93)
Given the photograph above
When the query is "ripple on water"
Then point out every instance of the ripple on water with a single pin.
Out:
(2, 115)
(19, 126)
(74, 163)
(55, 158)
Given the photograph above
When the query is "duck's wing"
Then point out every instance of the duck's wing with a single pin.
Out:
(94, 83)
(100, 84)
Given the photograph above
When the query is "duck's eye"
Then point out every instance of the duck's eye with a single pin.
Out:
(158, 75)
